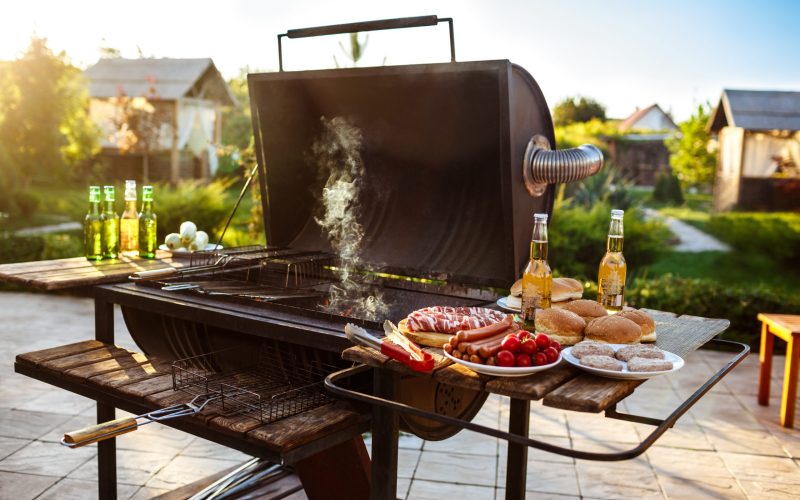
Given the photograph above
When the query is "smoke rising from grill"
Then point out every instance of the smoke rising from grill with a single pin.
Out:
(338, 155)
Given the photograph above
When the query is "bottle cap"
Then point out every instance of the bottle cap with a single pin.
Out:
(109, 193)
(94, 193)
(542, 217)
(617, 214)
(130, 190)
(147, 193)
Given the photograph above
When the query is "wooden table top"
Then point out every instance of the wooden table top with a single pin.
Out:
(787, 324)
(564, 386)
(61, 274)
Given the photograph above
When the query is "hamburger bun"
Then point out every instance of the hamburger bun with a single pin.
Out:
(430, 339)
(516, 289)
(565, 327)
(613, 330)
(565, 289)
(585, 308)
(645, 322)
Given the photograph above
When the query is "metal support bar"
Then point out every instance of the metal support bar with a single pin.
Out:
(106, 450)
(612, 412)
(517, 456)
(385, 436)
(743, 350)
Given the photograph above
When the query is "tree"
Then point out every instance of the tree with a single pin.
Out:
(578, 109)
(237, 128)
(690, 157)
(45, 130)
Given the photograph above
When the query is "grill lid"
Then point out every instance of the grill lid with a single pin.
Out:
(442, 193)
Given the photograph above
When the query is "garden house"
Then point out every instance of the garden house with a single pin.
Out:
(758, 166)
(160, 118)
(639, 153)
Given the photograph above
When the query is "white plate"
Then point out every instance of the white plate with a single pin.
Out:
(677, 364)
(501, 371)
(185, 252)
(503, 303)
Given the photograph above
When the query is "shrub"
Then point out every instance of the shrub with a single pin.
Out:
(20, 248)
(204, 204)
(26, 203)
(668, 189)
(578, 239)
(711, 299)
(606, 186)
(62, 246)
(775, 234)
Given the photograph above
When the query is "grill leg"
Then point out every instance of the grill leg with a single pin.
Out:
(106, 450)
(517, 460)
(385, 433)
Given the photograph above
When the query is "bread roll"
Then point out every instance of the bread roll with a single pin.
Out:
(613, 330)
(585, 308)
(516, 289)
(431, 339)
(645, 322)
(565, 289)
(565, 327)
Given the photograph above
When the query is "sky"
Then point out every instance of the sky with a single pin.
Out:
(677, 53)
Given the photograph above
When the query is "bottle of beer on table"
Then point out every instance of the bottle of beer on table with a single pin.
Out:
(611, 277)
(110, 225)
(93, 227)
(129, 222)
(537, 278)
(148, 239)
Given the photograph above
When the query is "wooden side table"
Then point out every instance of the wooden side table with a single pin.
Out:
(787, 328)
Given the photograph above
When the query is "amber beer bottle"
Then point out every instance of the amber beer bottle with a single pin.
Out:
(537, 278)
(129, 222)
(611, 276)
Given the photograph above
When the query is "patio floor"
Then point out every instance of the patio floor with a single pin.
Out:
(726, 447)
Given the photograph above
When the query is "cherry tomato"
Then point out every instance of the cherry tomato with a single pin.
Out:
(510, 343)
(528, 346)
(555, 344)
(542, 341)
(522, 335)
(523, 360)
(541, 359)
(505, 358)
(552, 355)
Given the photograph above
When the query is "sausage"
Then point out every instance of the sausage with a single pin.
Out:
(453, 341)
(473, 347)
(447, 348)
(485, 331)
(488, 352)
(491, 361)
(456, 354)
(476, 359)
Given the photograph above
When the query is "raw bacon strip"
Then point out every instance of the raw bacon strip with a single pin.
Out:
(467, 311)
(419, 321)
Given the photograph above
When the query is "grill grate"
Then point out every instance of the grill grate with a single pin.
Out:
(269, 384)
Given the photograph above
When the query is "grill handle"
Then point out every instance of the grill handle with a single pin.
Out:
(382, 24)
(99, 432)
(542, 166)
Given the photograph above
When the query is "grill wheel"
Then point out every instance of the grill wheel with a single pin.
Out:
(428, 394)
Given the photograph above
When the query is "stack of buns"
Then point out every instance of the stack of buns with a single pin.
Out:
(561, 290)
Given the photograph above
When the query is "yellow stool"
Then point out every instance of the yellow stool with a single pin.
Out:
(786, 327)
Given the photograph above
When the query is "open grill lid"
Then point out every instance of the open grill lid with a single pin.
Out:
(443, 144)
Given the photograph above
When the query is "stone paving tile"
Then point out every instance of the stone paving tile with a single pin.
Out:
(431, 490)
(639, 463)
(19, 388)
(155, 437)
(500, 494)
(687, 463)
(29, 424)
(407, 461)
(9, 445)
(15, 486)
(73, 423)
(701, 487)
(47, 459)
(133, 467)
(184, 470)
(403, 484)
(601, 480)
(745, 441)
(456, 468)
(410, 441)
(467, 442)
(63, 402)
(544, 477)
(145, 493)
(761, 468)
(75, 489)
(758, 490)
(600, 429)
(204, 448)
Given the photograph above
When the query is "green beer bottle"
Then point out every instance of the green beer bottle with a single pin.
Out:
(93, 227)
(110, 225)
(148, 239)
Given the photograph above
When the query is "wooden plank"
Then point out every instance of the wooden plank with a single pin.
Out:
(36, 357)
(365, 355)
(461, 376)
(137, 373)
(292, 432)
(237, 424)
(110, 365)
(533, 386)
(589, 393)
(143, 388)
(86, 358)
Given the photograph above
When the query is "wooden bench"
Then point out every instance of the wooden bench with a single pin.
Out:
(787, 328)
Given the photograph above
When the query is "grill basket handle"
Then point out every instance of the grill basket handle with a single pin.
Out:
(541, 166)
(382, 24)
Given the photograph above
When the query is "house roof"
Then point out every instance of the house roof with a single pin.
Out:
(757, 110)
(172, 79)
(630, 122)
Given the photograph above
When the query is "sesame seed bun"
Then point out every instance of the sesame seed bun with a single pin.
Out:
(565, 327)
(613, 330)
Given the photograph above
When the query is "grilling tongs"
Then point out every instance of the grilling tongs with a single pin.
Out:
(396, 346)
(114, 428)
